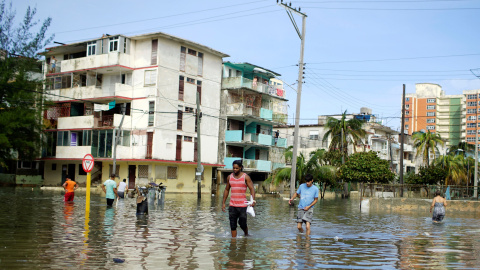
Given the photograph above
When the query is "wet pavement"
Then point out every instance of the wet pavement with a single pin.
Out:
(38, 230)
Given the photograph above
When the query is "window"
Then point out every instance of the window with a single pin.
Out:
(407, 99)
(63, 138)
(113, 44)
(431, 120)
(472, 118)
(117, 170)
(406, 127)
(313, 135)
(471, 110)
(151, 113)
(471, 125)
(190, 80)
(25, 165)
(407, 112)
(430, 100)
(471, 132)
(179, 119)
(154, 52)
(183, 55)
(171, 172)
(192, 52)
(142, 171)
(430, 127)
(239, 73)
(91, 48)
(430, 113)
(407, 106)
(188, 139)
(430, 107)
(150, 77)
(181, 87)
(472, 103)
(199, 90)
(472, 96)
(125, 138)
(200, 64)
(407, 119)
(188, 109)
(54, 166)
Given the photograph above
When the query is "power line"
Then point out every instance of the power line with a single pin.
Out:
(395, 59)
(394, 9)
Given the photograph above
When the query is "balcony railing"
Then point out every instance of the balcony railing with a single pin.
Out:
(250, 164)
(90, 92)
(242, 109)
(95, 61)
(241, 82)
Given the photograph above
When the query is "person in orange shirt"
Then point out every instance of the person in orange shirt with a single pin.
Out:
(69, 187)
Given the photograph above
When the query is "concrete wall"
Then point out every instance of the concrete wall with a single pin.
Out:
(422, 205)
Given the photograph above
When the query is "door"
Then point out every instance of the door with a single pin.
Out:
(131, 176)
(178, 155)
(149, 145)
(64, 173)
(71, 171)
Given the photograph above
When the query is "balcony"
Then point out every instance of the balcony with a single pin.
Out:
(250, 164)
(233, 136)
(280, 118)
(91, 92)
(262, 115)
(281, 142)
(89, 122)
(110, 60)
(241, 82)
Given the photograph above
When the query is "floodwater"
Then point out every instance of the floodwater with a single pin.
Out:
(38, 231)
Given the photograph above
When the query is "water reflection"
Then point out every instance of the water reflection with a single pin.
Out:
(39, 230)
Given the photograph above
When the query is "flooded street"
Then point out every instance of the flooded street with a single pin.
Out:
(38, 230)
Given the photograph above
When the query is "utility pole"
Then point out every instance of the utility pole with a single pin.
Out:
(301, 35)
(476, 72)
(199, 172)
(402, 140)
(343, 149)
(115, 142)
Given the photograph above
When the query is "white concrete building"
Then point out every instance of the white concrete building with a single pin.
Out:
(155, 77)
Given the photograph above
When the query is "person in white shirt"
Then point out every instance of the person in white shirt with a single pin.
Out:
(122, 189)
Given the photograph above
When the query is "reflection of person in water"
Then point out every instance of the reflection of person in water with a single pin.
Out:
(237, 251)
(108, 221)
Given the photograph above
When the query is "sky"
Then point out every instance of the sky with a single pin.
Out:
(357, 53)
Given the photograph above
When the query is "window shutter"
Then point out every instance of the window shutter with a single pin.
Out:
(181, 87)
(200, 64)
(154, 51)
(179, 120)
(183, 56)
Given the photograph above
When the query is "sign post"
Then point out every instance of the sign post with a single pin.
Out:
(87, 164)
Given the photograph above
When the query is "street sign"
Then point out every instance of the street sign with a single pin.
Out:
(87, 163)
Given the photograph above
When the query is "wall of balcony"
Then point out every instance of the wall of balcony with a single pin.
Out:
(96, 61)
(229, 160)
(233, 136)
(241, 82)
(76, 122)
(260, 165)
(266, 114)
(276, 165)
(90, 92)
(72, 151)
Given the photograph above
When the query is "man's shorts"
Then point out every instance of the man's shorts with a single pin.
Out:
(110, 202)
(121, 194)
(69, 196)
(305, 216)
(237, 213)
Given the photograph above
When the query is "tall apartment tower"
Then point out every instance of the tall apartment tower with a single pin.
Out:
(151, 81)
(429, 109)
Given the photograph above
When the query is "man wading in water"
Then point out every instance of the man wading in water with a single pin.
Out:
(238, 181)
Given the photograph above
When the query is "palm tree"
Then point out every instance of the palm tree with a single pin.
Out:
(426, 143)
(464, 146)
(456, 167)
(353, 133)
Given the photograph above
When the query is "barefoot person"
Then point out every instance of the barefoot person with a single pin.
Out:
(70, 187)
(110, 189)
(438, 205)
(238, 181)
(308, 194)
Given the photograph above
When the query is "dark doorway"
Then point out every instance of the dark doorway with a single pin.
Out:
(149, 145)
(71, 171)
(178, 155)
(131, 176)
(64, 173)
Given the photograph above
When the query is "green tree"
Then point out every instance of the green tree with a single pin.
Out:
(333, 157)
(326, 176)
(461, 147)
(353, 132)
(426, 143)
(455, 166)
(20, 84)
(366, 167)
(428, 175)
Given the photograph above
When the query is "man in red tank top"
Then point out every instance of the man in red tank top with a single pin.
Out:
(238, 182)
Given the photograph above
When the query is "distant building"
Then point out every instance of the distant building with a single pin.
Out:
(252, 103)
(155, 78)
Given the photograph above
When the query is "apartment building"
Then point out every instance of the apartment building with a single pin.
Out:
(252, 103)
(142, 88)
(429, 109)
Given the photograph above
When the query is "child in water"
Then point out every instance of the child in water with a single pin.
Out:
(438, 205)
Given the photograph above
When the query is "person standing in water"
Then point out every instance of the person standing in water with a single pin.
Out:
(308, 194)
(70, 187)
(110, 189)
(238, 182)
(438, 205)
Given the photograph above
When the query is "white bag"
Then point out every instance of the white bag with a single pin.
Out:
(249, 207)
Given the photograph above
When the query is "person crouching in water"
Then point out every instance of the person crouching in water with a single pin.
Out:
(238, 182)
(308, 194)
